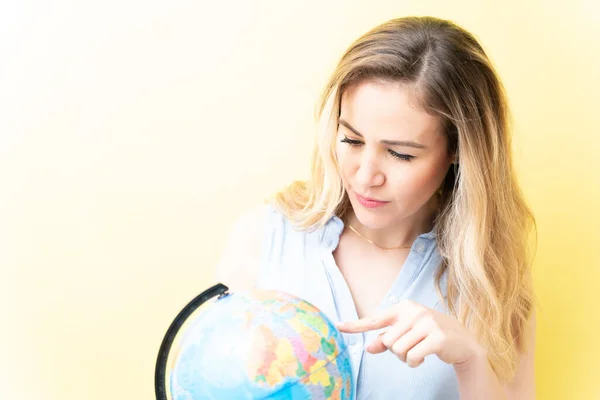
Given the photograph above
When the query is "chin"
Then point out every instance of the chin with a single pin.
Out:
(372, 219)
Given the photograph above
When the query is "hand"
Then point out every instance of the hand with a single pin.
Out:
(415, 331)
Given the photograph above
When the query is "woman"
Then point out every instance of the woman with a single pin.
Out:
(412, 231)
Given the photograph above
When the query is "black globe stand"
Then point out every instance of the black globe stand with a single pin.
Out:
(160, 384)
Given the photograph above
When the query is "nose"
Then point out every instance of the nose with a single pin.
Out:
(369, 171)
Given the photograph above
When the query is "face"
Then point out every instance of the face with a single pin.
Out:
(392, 155)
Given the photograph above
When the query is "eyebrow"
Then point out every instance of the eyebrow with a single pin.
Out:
(405, 143)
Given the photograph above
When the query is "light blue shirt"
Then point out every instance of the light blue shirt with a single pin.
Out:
(301, 263)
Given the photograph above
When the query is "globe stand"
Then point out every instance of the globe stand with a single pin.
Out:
(160, 384)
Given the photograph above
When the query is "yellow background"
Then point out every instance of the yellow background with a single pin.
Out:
(133, 133)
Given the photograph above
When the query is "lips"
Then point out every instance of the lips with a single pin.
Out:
(369, 202)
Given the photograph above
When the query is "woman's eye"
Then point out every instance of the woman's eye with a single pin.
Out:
(401, 156)
(351, 142)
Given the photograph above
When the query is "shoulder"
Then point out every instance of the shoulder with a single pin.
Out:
(251, 222)
(255, 236)
(264, 240)
(239, 262)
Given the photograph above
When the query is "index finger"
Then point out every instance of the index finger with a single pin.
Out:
(366, 323)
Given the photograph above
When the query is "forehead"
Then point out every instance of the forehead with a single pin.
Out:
(388, 110)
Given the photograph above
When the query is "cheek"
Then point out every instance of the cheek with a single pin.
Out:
(422, 181)
(432, 176)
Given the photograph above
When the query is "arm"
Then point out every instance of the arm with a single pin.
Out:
(415, 331)
(477, 380)
(239, 263)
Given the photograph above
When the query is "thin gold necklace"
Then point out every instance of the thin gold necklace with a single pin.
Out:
(375, 244)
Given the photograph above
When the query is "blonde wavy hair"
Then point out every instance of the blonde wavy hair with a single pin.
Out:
(483, 223)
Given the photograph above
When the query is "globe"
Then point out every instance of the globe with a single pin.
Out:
(259, 345)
